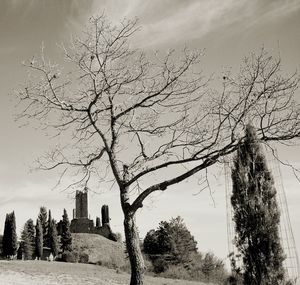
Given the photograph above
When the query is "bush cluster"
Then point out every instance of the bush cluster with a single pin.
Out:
(74, 257)
(173, 253)
(69, 256)
(83, 258)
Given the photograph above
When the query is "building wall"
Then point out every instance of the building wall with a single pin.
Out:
(82, 225)
(103, 231)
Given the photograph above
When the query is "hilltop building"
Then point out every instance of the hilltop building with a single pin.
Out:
(81, 223)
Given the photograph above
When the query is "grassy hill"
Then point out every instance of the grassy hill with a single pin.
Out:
(101, 250)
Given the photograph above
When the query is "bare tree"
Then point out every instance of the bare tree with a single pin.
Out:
(141, 114)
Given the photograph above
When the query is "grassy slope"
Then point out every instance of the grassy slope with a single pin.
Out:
(100, 250)
(54, 273)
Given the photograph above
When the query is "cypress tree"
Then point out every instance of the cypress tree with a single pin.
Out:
(66, 237)
(256, 215)
(39, 239)
(47, 241)
(6, 237)
(31, 235)
(10, 241)
(53, 238)
(43, 219)
(26, 244)
(14, 237)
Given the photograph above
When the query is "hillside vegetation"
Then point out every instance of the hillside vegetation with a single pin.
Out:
(110, 254)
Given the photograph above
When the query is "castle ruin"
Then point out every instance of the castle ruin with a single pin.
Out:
(81, 223)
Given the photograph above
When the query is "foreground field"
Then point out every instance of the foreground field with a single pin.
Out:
(52, 273)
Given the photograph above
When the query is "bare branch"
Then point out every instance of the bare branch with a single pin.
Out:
(141, 113)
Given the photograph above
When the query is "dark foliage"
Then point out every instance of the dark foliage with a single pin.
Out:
(39, 239)
(48, 233)
(44, 223)
(151, 244)
(171, 239)
(112, 236)
(83, 258)
(160, 264)
(26, 245)
(53, 238)
(9, 242)
(31, 235)
(6, 237)
(173, 253)
(69, 256)
(66, 237)
(256, 215)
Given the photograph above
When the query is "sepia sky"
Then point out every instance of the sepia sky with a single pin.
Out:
(226, 30)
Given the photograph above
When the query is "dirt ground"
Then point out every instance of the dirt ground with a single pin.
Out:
(52, 273)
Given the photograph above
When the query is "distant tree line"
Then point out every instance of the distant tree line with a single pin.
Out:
(36, 238)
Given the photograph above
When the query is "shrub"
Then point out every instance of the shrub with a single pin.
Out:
(69, 256)
(113, 237)
(160, 264)
(172, 239)
(176, 272)
(113, 262)
(119, 237)
(83, 258)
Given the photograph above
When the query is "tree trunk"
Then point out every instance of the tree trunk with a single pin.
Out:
(134, 250)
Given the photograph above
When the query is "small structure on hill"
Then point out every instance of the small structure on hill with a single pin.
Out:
(81, 223)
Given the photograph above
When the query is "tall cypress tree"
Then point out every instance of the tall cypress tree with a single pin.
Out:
(256, 215)
(47, 241)
(43, 219)
(66, 237)
(10, 241)
(14, 237)
(53, 238)
(6, 237)
(26, 244)
(39, 239)
(31, 235)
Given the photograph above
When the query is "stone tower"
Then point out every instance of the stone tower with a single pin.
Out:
(105, 215)
(81, 223)
(81, 204)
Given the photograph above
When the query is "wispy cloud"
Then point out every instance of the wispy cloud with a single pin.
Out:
(180, 21)
(21, 19)
(260, 12)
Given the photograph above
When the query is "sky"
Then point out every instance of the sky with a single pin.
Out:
(227, 30)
